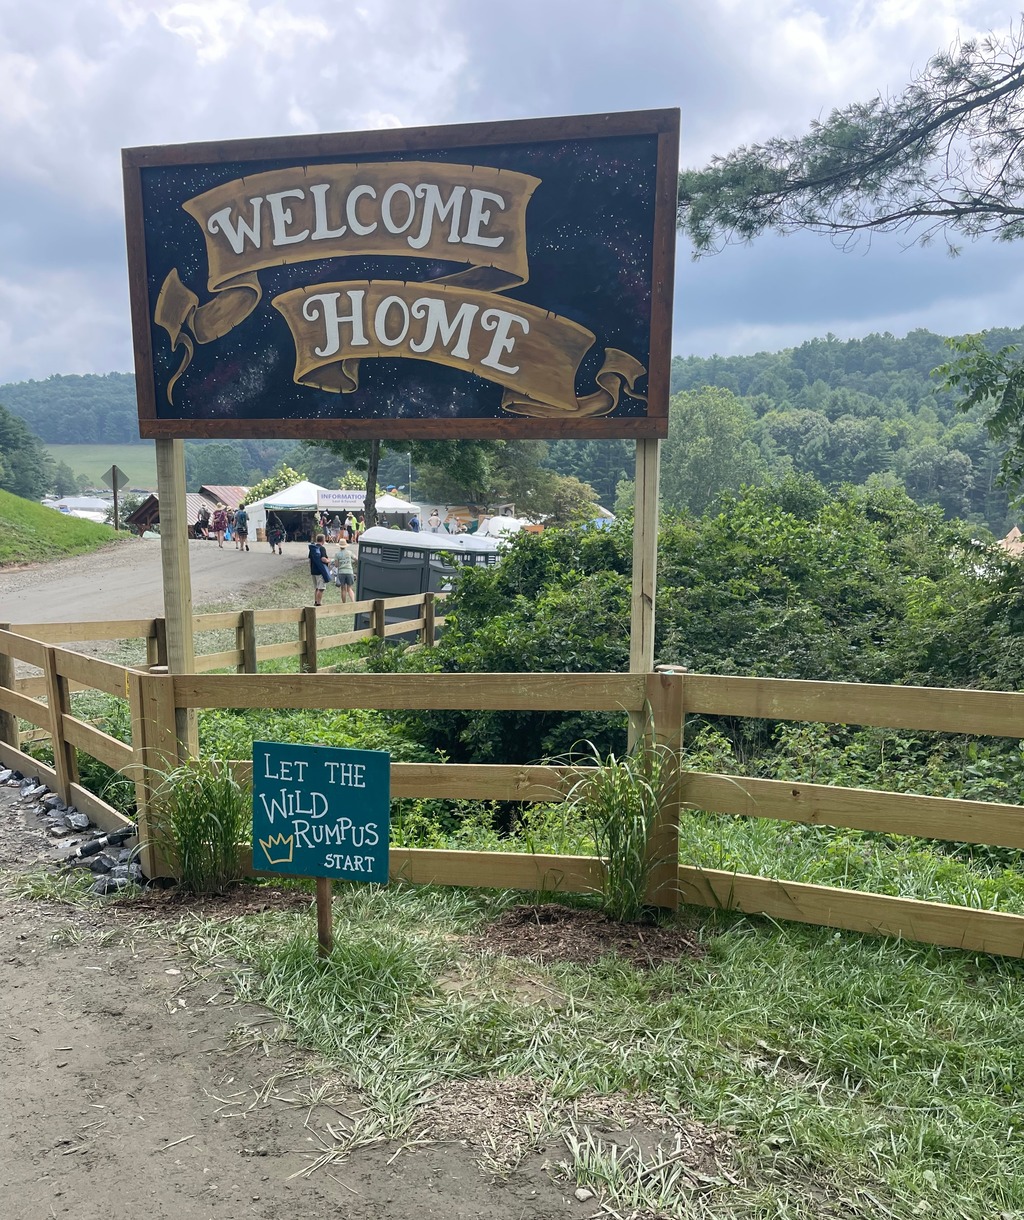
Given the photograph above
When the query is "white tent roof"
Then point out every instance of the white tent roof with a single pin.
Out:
(393, 504)
(301, 498)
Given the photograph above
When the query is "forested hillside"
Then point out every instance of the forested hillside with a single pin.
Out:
(845, 411)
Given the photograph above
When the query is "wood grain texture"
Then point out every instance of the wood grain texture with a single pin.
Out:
(92, 672)
(943, 710)
(82, 632)
(98, 744)
(931, 922)
(473, 692)
(929, 817)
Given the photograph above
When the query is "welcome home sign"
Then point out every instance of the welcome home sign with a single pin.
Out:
(489, 280)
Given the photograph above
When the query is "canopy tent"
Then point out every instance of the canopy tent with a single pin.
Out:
(300, 498)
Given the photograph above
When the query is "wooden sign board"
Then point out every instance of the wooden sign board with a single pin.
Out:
(321, 811)
(498, 280)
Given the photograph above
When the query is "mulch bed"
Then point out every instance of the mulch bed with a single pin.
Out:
(173, 902)
(552, 933)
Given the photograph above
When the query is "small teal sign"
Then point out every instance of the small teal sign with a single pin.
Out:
(321, 811)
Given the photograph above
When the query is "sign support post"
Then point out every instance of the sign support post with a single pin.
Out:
(324, 916)
(645, 566)
(177, 579)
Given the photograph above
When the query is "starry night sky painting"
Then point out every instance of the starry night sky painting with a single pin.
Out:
(423, 287)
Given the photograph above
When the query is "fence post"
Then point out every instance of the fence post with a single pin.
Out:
(156, 644)
(378, 620)
(665, 703)
(307, 658)
(155, 747)
(428, 620)
(9, 734)
(245, 642)
(58, 699)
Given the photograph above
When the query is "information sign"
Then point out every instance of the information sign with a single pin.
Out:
(321, 811)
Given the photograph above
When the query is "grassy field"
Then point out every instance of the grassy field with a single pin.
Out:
(29, 532)
(137, 461)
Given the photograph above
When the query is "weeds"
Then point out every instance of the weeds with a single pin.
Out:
(201, 817)
(619, 799)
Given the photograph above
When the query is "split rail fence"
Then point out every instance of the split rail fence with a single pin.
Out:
(154, 698)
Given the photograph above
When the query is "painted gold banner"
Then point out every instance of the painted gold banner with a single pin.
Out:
(431, 210)
(534, 354)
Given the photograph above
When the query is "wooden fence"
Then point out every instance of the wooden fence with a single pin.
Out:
(154, 697)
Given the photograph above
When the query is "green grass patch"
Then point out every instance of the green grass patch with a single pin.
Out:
(854, 1074)
(30, 533)
(137, 461)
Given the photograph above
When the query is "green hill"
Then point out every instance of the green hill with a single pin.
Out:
(30, 533)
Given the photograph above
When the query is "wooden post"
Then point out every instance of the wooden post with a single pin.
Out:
(156, 644)
(378, 618)
(645, 567)
(429, 613)
(245, 641)
(665, 728)
(155, 744)
(307, 659)
(324, 916)
(645, 557)
(8, 721)
(170, 479)
(58, 698)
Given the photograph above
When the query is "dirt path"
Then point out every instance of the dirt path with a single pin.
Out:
(126, 1090)
(125, 580)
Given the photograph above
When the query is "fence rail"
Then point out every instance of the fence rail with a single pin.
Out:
(154, 698)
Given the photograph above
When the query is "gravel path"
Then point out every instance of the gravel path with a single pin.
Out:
(125, 580)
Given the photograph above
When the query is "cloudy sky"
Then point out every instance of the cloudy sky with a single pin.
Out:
(83, 78)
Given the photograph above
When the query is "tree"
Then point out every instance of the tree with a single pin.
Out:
(709, 448)
(996, 380)
(219, 462)
(946, 153)
(24, 463)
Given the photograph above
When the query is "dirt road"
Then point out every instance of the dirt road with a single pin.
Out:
(125, 580)
(134, 1085)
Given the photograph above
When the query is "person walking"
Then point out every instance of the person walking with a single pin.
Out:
(344, 572)
(220, 524)
(318, 568)
(241, 529)
(275, 533)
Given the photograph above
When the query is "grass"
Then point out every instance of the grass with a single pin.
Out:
(30, 533)
(201, 815)
(847, 1075)
(137, 461)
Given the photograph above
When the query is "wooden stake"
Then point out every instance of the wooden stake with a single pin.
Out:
(324, 913)
(170, 478)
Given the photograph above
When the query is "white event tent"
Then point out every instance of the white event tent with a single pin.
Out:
(307, 497)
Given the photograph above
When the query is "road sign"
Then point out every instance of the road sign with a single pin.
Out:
(321, 811)
(115, 478)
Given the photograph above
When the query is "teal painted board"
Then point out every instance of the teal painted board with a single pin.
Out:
(321, 811)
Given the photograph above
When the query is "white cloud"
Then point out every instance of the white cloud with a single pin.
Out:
(87, 77)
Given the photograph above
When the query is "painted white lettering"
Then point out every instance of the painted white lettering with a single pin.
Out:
(501, 322)
(479, 216)
(317, 804)
(435, 311)
(354, 223)
(434, 208)
(325, 305)
(220, 222)
(380, 322)
(282, 217)
(322, 230)
(275, 809)
(300, 830)
(387, 215)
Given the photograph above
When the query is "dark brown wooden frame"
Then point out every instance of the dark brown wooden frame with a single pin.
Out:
(662, 123)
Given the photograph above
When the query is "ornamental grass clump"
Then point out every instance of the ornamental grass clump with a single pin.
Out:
(202, 815)
(619, 800)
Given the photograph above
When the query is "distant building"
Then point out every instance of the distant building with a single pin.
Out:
(1013, 542)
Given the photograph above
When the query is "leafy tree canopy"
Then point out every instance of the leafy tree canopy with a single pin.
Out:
(942, 156)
